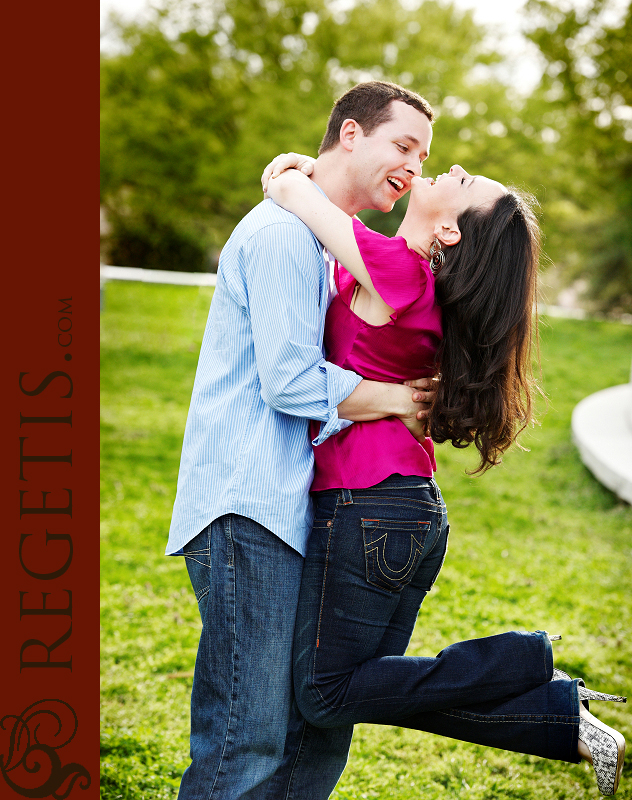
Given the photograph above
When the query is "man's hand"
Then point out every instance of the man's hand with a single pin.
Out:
(304, 164)
(425, 396)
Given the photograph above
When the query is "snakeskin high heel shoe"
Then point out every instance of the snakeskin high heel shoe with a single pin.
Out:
(607, 750)
(605, 745)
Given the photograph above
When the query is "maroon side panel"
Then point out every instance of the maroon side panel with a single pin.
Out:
(49, 655)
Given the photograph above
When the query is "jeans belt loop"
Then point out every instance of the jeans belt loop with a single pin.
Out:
(347, 497)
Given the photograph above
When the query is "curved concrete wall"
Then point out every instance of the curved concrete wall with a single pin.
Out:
(602, 430)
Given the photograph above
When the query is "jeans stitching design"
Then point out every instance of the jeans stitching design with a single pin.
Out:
(189, 557)
(397, 502)
(204, 561)
(202, 593)
(300, 751)
(322, 595)
(322, 603)
(378, 572)
(532, 718)
(445, 553)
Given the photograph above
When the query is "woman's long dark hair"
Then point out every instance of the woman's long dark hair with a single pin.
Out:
(487, 291)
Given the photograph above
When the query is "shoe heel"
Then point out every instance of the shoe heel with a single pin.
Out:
(583, 692)
(589, 694)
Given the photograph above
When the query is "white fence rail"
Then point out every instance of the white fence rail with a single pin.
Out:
(109, 273)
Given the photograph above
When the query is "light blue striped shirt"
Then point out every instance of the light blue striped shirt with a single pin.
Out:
(261, 377)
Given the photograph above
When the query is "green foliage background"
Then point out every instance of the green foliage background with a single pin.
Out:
(536, 543)
(201, 97)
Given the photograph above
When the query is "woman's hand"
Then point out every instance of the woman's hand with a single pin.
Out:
(285, 161)
(291, 190)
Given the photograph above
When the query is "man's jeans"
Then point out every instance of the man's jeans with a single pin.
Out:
(248, 739)
(372, 556)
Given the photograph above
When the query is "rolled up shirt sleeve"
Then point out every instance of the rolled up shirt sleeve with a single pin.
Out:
(338, 390)
(283, 263)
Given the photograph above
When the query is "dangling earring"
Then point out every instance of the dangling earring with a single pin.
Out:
(437, 256)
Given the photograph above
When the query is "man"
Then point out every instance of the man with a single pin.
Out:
(242, 511)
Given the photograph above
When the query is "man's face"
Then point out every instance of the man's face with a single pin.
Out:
(384, 163)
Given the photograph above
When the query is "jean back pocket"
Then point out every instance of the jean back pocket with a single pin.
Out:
(393, 550)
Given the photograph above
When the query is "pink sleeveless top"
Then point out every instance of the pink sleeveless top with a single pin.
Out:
(366, 453)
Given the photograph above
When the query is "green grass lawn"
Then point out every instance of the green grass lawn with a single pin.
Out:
(535, 543)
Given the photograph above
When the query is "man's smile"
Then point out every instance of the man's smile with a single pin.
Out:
(397, 184)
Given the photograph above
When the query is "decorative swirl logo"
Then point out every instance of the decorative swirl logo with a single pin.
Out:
(32, 767)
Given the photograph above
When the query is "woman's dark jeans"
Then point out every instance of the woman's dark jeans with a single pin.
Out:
(373, 555)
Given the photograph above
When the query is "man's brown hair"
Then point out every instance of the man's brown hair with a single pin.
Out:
(369, 104)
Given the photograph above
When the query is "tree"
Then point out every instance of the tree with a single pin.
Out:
(168, 125)
(206, 94)
(588, 95)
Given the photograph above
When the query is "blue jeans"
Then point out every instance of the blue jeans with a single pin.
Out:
(372, 557)
(248, 739)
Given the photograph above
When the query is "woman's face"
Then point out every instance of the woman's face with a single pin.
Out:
(454, 192)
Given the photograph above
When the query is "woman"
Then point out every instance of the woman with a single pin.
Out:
(454, 290)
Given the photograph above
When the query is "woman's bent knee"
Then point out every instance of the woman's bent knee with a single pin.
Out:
(317, 703)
